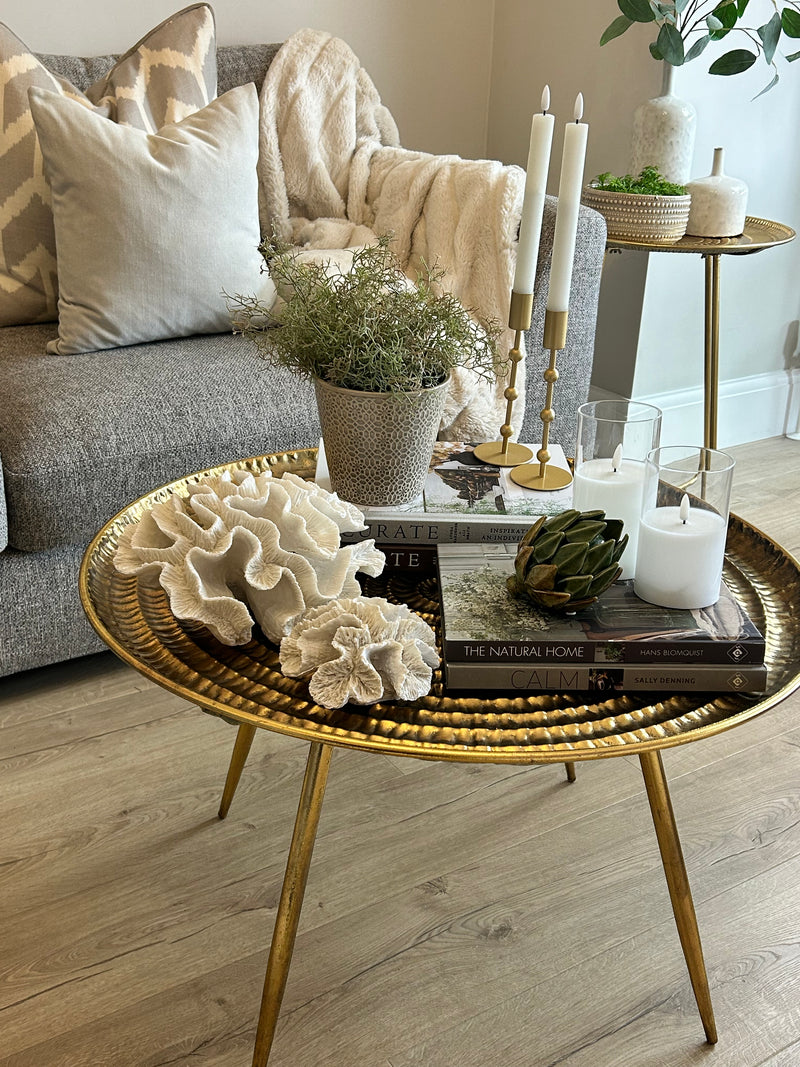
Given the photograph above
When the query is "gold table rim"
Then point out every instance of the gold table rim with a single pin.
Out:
(771, 235)
(557, 753)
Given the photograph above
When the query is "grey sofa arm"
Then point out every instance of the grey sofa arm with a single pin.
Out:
(3, 512)
(574, 363)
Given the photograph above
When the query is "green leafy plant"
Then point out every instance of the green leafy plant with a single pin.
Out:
(687, 27)
(649, 183)
(368, 328)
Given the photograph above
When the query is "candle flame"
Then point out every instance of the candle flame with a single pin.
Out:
(616, 462)
(546, 99)
(578, 112)
(683, 511)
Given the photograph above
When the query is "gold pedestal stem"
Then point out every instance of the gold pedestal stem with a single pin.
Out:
(504, 453)
(544, 477)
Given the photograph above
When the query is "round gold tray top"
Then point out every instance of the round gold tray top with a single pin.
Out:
(758, 234)
(243, 684)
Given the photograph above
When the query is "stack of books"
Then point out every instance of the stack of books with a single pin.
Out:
(494, 641)
(464, 501)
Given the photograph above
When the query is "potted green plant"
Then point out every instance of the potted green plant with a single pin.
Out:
(380, 348)
(645, 207)
(664, 126)
(687, 27)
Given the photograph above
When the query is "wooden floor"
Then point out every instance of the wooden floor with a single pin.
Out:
(456, 916)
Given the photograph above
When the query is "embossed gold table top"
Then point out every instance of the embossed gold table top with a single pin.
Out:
(758, 235)
(244, 684)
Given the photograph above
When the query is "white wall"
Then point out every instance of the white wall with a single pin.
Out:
(429, 60)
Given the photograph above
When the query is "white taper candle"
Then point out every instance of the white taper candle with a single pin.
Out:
(530, 226)
(569, 199)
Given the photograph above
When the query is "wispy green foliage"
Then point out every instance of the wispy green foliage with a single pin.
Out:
(369, 328)
(686, 27)
(649, 182)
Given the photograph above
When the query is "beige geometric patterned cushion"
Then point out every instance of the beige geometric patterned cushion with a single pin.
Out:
(168, 75)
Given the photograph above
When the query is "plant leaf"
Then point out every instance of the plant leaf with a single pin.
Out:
(670, 45)
(620, 24)
(733, 62)
(728, 14)
(636, 10)
(767, 88)
(790, 22)
(770, 33)
(793, 57)
(741, 7)
(713, 22)
(696, 49)
(654, 52)
(680, 5)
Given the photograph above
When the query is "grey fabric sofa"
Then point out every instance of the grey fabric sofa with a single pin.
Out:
(81, 436)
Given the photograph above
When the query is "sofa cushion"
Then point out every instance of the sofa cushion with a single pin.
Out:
(167, 75)
(83, 436)
(152, 230)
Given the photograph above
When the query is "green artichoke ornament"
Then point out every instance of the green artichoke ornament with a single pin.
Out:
(566, 561)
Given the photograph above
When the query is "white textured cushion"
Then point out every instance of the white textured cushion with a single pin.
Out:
(152, 230)
(171, 72)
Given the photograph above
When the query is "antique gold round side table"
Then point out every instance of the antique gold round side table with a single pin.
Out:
(244, 686)
(758, 235)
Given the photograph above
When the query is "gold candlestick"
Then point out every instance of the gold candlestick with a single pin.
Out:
(505, 453)
(529, 474)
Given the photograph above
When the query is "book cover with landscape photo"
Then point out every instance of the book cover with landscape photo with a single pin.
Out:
(482, 623)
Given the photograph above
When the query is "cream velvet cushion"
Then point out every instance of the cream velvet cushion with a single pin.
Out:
(171, 72)
(152, 230)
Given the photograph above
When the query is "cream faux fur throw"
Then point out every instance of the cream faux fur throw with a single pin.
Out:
(332, 174)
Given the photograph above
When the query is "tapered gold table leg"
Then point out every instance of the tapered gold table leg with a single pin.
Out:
(570, 769)
(678, 882)
(241, 750)
(294, 887)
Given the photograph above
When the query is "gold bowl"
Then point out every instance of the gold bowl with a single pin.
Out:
(638, 216)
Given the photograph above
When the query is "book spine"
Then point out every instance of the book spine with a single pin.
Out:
(566, 677)
(661, 655)
(420, 559)
(413, 532)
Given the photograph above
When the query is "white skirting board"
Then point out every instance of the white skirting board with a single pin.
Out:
(749, 409)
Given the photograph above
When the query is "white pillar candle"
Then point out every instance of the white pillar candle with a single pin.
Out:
(530, 226)
(680, 556)
(615, 486)
(569, 200)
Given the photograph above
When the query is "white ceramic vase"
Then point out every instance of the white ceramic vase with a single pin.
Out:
(663, 133)
(719, 203)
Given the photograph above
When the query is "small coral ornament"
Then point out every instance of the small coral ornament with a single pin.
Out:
(242, 547)
(565, 562)
(361, 650)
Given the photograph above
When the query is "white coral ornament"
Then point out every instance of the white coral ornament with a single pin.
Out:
(362, 649)
(242, 547)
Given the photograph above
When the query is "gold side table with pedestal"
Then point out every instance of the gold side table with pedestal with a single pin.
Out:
(758, 235)
(244, 686)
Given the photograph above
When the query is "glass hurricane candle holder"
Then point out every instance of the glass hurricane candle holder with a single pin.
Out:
(684, 526)
(613, 441)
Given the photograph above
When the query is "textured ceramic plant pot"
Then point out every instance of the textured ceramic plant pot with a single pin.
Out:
(639, 217)
(663, 133)
(378, 445)
(719, 202)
